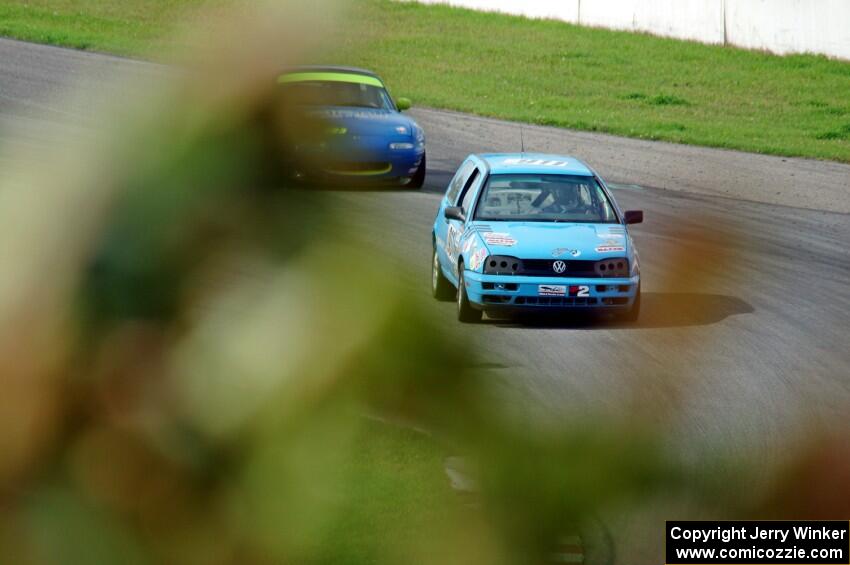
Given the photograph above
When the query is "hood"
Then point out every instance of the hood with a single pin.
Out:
(545, 240)
(366, 121)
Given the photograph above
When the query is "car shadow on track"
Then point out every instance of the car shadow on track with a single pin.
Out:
(659, 310)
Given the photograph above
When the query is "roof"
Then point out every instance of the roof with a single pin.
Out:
(330, 74)
(535, 163)
(329, 69)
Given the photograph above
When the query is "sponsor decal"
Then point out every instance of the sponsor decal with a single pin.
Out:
(610, 248)
(551, 290)
(557, 252)
(496, 238)
(453, 241)
(611, 235)
(477, 258)
(467, 245)
(371, 115)
(559, 267)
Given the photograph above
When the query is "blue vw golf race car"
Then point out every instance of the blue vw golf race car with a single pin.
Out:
(360, 132)
(532, 232)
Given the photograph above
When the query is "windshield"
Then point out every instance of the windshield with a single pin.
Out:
(544, 198)
(336, 93)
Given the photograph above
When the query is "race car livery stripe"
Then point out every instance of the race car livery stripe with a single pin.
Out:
(330, 77)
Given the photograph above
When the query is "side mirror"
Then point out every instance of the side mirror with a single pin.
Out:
(403, 104)
(454, 213)
(634, 216)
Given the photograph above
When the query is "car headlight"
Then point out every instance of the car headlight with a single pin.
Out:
(614, 268)
(401, 146)
(501, 265)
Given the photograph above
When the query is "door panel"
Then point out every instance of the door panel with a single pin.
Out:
(456, 228)
(442, 226)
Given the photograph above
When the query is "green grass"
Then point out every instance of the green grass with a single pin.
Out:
(125, 27)
(635, 85)
(543, 72)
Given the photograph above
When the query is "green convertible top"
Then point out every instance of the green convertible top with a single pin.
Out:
(330, 74)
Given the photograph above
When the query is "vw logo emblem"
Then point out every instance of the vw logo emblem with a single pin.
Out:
(559, 267)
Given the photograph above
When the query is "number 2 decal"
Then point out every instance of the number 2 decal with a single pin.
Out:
(581, 291)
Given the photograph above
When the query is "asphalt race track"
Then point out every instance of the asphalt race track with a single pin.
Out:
(746, 278)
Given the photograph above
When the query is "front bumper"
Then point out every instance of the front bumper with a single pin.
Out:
(370, 162)
(394, 165)
(506, 292)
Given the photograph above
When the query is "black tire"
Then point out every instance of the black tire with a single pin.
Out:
(633, 313)
(465, 312)
(418, 178)
(441, 287)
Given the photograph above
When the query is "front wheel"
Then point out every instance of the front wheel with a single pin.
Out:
(418, 178)
(465, 312)
(441, 288)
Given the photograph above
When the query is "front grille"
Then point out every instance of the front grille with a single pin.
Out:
(499, 286)
(543, 268)
(615, 267)
(362, 167)
(613, 288)
(555, 301)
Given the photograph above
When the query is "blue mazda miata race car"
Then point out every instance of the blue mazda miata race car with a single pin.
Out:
(533, 232)
(363, 134)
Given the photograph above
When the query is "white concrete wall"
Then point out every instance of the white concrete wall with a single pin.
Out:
(700, 20)
(790, 26)
(781, 26)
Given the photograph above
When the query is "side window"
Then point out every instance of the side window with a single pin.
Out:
(458, 182)
(466, 197)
